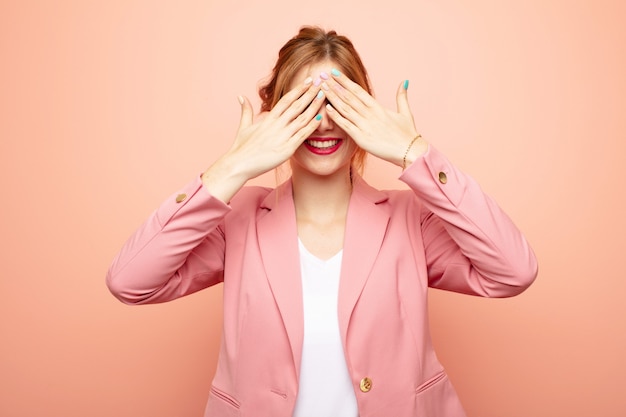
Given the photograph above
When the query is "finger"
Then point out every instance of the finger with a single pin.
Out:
(340, 121)
(347, 105)
(246, 112)
(308, 114)
(292, 96)
(353, 88)
(305, 131)
(301, 104)
(402, 99)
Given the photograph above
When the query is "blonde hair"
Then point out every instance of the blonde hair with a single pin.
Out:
(313, 44)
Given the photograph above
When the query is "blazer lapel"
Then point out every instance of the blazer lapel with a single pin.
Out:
(366, 226)
(278, 242)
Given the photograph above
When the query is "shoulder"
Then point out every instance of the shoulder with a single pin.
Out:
(405, 203)
(245, 206)
(250, 198)
(393, 199)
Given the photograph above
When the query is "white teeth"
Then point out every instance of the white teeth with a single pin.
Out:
(322, 144)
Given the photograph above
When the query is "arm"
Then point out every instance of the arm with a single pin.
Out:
(180, 248)
(471, 244)
(161, 261)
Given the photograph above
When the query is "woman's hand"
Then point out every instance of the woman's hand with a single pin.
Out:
(273, 139)
(266, 143)
(387, 134)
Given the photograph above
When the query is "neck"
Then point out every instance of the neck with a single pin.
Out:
(323, 198)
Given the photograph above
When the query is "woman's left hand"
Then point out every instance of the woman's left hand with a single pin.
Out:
(384, 133)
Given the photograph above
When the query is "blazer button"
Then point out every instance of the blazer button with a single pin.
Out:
(181, 197)
(366, 384)
(443, 178)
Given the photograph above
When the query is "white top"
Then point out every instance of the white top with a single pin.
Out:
(325, 385)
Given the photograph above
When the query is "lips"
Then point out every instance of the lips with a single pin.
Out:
(323, 146)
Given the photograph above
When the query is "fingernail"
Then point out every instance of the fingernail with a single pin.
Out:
(325, 86)
(329, 107)
(309, 80)
(406, 84)
(240, 100)
(317, 82)
(318, 117)
(335, 72)
(320, 94)
(324, 75)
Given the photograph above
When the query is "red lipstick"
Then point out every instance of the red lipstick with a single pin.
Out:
(323, 146)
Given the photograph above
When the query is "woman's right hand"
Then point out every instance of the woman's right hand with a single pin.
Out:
(266, 143)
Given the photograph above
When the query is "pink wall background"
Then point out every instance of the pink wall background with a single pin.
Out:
(106, 107)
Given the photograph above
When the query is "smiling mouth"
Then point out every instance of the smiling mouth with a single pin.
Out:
(322, 144)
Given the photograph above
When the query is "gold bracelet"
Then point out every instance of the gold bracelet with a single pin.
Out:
(408, 149)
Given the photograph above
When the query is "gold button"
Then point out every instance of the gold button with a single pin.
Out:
(366, 384)
(443, 178)
(181, 197)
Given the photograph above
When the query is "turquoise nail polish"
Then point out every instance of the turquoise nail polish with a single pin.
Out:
(335, 72)
(406, 84)
(318, 117)
(320, 94)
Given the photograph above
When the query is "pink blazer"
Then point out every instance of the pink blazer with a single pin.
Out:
(444, 233)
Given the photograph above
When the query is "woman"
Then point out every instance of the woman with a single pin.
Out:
(325, 278)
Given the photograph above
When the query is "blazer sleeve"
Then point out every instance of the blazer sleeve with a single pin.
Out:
(161, 260)
(471, 245)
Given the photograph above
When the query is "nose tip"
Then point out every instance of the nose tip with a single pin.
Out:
(327, 123)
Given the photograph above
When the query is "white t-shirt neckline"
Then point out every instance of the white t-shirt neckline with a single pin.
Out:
(325, 389)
